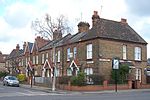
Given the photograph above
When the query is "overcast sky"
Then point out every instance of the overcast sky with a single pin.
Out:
(16, 16)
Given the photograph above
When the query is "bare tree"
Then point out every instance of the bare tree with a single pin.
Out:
(51, 29)
(47, 27)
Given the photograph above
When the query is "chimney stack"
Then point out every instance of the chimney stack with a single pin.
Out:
(83, 27)
(17, 47)
(57, 35)
(123, 21)
(95, 18)
(24, 45)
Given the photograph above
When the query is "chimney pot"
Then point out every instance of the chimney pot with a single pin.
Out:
(123, 20)
(83, 27)
(17, 47)
(95, 18)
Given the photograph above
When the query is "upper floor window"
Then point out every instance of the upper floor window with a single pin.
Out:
(43, 58)
(89, 51)
(26, 61)
(68, 54)
(124, 52)
(46, 55)
(28, 58)
(74, 52)
(37, 59)
(58, 56)
(22, 62)
(33, 59)
(137, 53)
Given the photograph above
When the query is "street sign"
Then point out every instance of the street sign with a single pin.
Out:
(147, 71)
(115, 63)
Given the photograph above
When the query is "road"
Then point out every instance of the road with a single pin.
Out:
(19, 93)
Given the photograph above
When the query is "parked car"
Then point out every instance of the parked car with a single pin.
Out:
(11, 81)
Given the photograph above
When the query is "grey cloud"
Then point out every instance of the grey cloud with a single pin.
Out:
(139, 7)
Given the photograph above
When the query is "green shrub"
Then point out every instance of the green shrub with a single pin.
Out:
(122, 73)
(3, 74)
(78, 80)
(21, 77)
(97, 79)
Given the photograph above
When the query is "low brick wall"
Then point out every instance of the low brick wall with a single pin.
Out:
(145, 86)
(105, 86)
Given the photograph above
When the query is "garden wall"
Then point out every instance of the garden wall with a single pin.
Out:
(105, 86)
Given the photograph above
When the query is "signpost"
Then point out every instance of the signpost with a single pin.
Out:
(115, 66)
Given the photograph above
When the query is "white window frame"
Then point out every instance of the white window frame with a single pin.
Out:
(137, 53)
(33, 59)
(26, 61)
(28, 58)
(124, 50)
(57, 72)
(42, 58)
(74, 52)
(89, 51)
(22, 62)
(46, 55)
(68, 54)
(88, 71)
(69, 72)
(58, 56)
(37, 59)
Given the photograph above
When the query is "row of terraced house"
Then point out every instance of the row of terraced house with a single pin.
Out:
(90, 50)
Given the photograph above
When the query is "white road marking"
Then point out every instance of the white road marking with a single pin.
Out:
(29, 93)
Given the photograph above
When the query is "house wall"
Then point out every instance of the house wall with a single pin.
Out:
(109, 49)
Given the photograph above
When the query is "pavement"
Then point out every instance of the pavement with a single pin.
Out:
(49, 90)
(57, 91)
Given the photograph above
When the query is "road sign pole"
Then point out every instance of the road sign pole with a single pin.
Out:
(116, 80)
(115, 66)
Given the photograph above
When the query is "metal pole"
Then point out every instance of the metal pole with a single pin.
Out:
(31, 79)
(54, 77)
(115, 80)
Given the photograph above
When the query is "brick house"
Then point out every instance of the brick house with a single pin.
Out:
(2, 62)
(92, 50)
(13, 60)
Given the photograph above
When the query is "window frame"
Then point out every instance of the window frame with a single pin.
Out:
(124, 52)
(68, 54)
(89, 51)
(43, 58)
(58, 56)
(137, 53)
(74, 52)
(33, 59)
(37, 59)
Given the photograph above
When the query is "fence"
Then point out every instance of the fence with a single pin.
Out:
(44, 81)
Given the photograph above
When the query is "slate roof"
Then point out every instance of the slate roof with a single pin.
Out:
(30, 46)
(58, 42)
(2, 60)
(15, 53)
(108, 29)
(104, 29)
